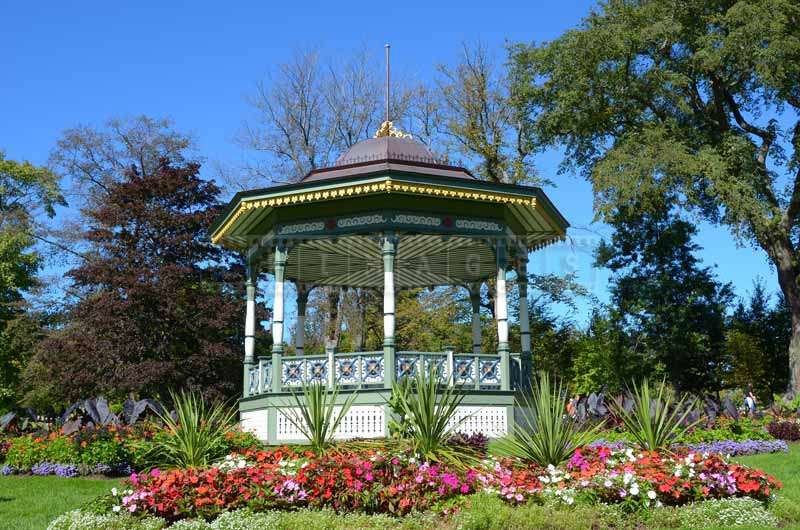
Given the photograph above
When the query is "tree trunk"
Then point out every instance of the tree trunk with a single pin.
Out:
(788, 276)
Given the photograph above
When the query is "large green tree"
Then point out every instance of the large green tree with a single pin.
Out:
(25, 192)
(696, 102)
(662, 296)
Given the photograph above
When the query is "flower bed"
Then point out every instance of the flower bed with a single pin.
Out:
(368, 481)
(108, 450)
(636, 479)
(381, 481)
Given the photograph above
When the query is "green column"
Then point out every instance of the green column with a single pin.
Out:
(526, 356)
(388, 251)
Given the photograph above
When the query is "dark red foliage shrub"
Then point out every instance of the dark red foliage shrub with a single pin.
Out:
(478, 441)
(784, 430)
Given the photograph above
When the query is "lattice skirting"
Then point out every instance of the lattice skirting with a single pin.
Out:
(361, 421)
(491, 421)
(369, 421)
(255, 421)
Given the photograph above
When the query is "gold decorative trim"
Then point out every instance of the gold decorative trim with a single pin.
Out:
(387, 186)
(387, 128)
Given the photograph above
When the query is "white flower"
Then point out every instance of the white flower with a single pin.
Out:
(658, 504)
(569, 500)
(678, 472)
(635, 490)
(114, 492)
(608, 483)
(551, 468)
(241, 464)
(116, 508)
(626, 478)
(651, 494)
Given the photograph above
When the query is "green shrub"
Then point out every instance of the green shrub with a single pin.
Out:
(726, 513)
(544, 435)
(657, 419)
(25, 451)
(315, 415)
(195, 437)
(86, 520)
(103, 452)
(429, 409)
(725, 429)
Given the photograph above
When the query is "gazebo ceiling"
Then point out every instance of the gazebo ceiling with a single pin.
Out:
(422, 260)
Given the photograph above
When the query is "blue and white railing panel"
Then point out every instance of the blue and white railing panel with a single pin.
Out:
(355, 370)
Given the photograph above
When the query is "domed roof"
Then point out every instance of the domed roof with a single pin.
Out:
(389, 150)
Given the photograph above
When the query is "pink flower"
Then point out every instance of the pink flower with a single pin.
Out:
(155, 472)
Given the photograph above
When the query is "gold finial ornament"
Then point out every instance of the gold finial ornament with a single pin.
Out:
(387, 129)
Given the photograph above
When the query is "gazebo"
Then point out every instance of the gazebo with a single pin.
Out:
(388, 215)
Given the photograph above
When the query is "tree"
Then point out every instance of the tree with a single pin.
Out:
(758, 336)
(160, 306)
(478, 114)
(26, 191)
(662, 296)
(693, 103)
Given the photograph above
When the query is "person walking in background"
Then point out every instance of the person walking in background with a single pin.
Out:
(750, 400)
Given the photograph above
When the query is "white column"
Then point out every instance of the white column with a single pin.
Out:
(501, 314)
(300, 332)
(250, 318)
(249, 326)
(388, 251)
(475, 300)
(277, 305)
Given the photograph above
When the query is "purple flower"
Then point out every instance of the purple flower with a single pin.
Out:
(7, 470)
(733, 448)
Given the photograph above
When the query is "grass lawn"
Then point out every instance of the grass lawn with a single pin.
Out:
(787, 469)
(30, 503)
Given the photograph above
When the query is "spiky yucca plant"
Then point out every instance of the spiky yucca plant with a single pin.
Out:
(314, 414)
(656, 419)
(545, 434)
(429, 410)
(195, 435)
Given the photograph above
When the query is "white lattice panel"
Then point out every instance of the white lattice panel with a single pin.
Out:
(255, 421)
(362, 421)
(491, 421)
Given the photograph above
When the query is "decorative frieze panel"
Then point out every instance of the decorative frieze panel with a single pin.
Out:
(439, 223)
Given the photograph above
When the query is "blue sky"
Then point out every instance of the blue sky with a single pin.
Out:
(65, 63)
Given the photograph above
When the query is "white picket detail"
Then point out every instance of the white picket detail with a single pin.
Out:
(491, 421)
(255, 421)
(361, 421)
